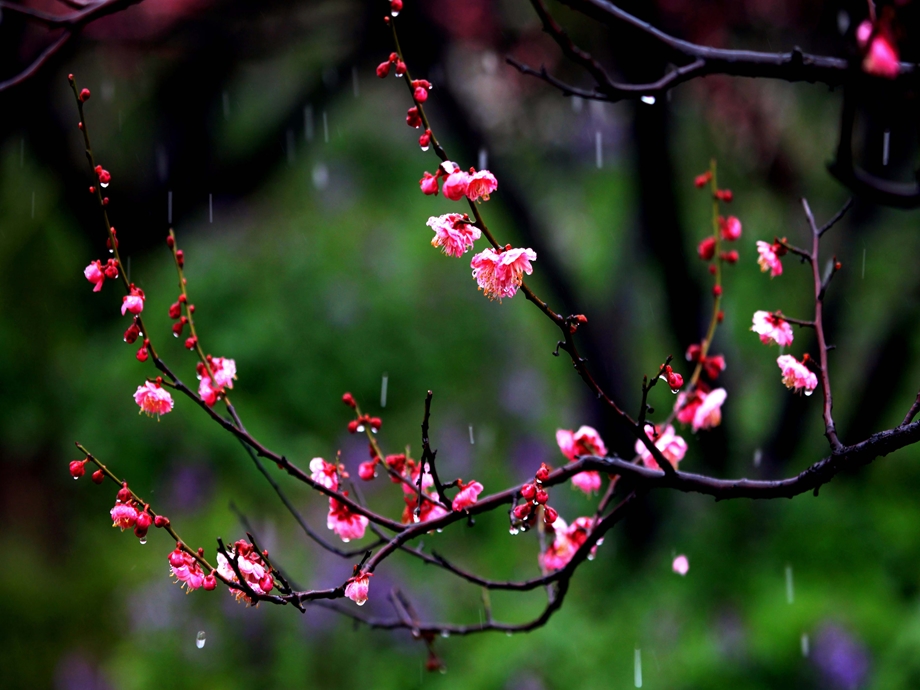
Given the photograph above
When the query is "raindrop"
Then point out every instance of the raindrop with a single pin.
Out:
(592, 556)
(513, 531)
(648, 100)
(471, 435)
(210, 208)
(104, 184)
(361, 603)
(599, 149)
(808, 393)
(805, 646)
(394, 13)
(325, 127)
(445, 634)
(675, 391)
(76, 477)
(425, 148)
(383, 390)
(443, 670)
(200, 639)
(637, 668)
(226, 101)
(354, 81)
(360, 428)
(33, 204)
(290, 146)
(577, 104)
(143, 540)
(345, 540)
(790, 590)
(483, 158)
(886, 142)
(758, 457)
(320, 176)
(308, 122)
(843, 21)
(169, 208)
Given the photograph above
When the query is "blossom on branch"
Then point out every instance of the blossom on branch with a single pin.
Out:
(357, 587)
(124, 514)
(255, 572)
(702, 409)
(769, 258)
(481, 184)
(454, 233)
(672, 447)
(499, 274)
(796, 375)
(343, 522)
(95, 275)
(730, 228)
(153, 399)
(456, 184)
(568, 539)
(772, 328)
(186, 569)
(325, 474)
(133, 302)
(467, 495)
(574, 444)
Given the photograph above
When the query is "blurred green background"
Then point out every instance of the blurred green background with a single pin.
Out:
(294, 196)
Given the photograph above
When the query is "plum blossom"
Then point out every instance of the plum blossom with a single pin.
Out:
(186, 569)
(454, 233)
(343, 522)
(672, 447)
(153, 399)
(224, 370)
(568, 539)
(796, 375)
(585, 441)
(254, 570)
(456, 184)
(500, 274)
(357, 587)
(467, 496)
(772, 328)
(124, 514)
(95, 274)
(769, 259)
(481, 184)
(730, 228)
(429, 183)
(681, 565)
(702, 408)
(133, 302)
(324, 473)
(882, 58)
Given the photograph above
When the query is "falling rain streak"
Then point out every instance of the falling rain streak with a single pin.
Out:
(471, 435)
(308, 122)
(483, 158)
(886, 145)
(758, 457)
(637, 668)
(383, 390)
(200, 639)
(599, 149)
(325, 127)
(790, 590)
(805, 647)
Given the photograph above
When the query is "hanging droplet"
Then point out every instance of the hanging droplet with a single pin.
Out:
(637, 668)
(200, 639)
(76, 477)
(513, 531)
(648, 100)
(592, 556)
(598, 149)
(790, 590)
(346, 540)
(362, 602)
(104, 184)
(426, 147)
(143, 540)
(809, 392)
(394, 13)
(360, 428)
(445, 634)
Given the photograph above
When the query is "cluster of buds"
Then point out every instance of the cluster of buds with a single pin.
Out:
(535, 497)
(364, 421)
(420, 89)
(712, 365)
(458, 184)
(105, 177)
(219, 373)
(78, 469)
(127, 513)
(251, 565)
(96, 272)
(383, 69)
(673, 379)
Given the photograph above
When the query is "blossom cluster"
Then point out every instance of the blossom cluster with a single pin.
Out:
(256, 574)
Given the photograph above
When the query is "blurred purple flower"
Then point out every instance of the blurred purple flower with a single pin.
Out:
(842, 660)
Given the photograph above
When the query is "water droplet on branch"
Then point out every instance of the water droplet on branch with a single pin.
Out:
(648, 100)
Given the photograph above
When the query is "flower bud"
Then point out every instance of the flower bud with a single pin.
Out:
(707, 248)
(170, 241)
(349, 400)
(528, 491)
(124, 493)
(367, 470)
(675, 380)
(717, 290)
(177, 558)
(98, 477)
(400, 68)
(210, 583)
(140, 532)
(724, 195)
(177, 328)
(420, 93)
(175, 310)
(144, 520)
(550, 515)
(702, 180)
(84, 95)
(77, 468)
(180, 258)
(190, 342)
(383, 69)
(353, 426)
(375, 423)
(132, 333)
(541, 496)
(413, 119)
(729, 257)
(266, 583)
(522, 511)
(543, 473)
(396, 7)
(161, 521)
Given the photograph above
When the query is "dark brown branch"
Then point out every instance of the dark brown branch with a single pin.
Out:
(428, 457)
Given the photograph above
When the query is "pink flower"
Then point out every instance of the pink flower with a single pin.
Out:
(772, 327)
(95, 275)
(206, 392)
(882, 58)
(769, 261)
(153, 399)
(567, 541)
(133, 302)
(481, 184)
(224, 371)
(356, 589)
(186, 569)
(455, 186)
(585, 441)
(680, 565)
(324, 473)
(466, 496)
(589, 482)
(124, 515)
(254, 570)
(672, 446)
(500, 275)
(863, 33)
(796, 375)
(343, 522)
(730, 228)
(709, 412)
(429, 183)
(453, 233)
